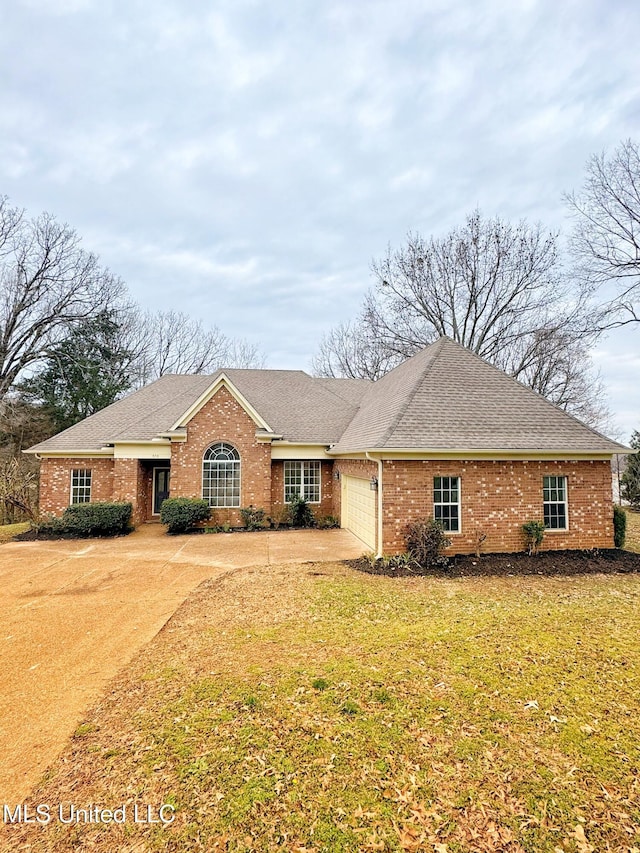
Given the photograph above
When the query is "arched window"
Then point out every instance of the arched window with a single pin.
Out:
(221, 475)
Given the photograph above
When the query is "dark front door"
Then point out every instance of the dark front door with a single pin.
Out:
(160, 488)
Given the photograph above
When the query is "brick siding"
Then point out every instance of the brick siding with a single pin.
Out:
(55, 482)
(497, 498)
(130, 483)
(223, 419)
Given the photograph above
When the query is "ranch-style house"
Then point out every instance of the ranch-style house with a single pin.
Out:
(443, 435)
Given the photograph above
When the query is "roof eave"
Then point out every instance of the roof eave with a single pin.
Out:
(478, 453)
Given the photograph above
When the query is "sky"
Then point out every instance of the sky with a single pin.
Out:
(244, 161)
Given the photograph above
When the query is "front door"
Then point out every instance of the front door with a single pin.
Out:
(160, 488)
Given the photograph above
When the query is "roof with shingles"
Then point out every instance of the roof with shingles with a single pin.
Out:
(443, 398)
(447, 398)
(294, 404)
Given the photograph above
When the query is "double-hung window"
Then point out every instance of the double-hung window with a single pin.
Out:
(80, 486)
(446, 502)
(554, 496)
(302, 480)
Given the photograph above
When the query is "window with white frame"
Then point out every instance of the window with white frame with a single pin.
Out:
(221, 475)
(446, 502)
(80, 486)
(554, 496)
(302, 480)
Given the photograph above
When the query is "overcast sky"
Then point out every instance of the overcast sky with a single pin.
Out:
(245, 161)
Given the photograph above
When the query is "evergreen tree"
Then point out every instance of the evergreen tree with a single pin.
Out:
(85, 372)
(631, 478)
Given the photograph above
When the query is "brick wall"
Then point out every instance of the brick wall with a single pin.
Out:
(497, 498)
(325, 507)
(130, 483)
(55, 482)
(223, 419)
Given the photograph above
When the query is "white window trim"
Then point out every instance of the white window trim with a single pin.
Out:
(71, 486)
(458, 504)
(301, 493)
(566, 504)
(239, 461)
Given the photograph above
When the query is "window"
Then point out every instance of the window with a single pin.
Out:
(80, 485)
(302, 479)
(554, 495)
(446, 502)
(221, 475)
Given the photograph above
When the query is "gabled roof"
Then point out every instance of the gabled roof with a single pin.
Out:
(444, 398)
(296, 406)
(447, 398)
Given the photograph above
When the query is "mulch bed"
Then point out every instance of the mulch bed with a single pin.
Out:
(50, 535)
(605, 561)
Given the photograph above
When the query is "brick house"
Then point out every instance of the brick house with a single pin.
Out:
(445, 435)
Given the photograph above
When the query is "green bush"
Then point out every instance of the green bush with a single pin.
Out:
(533, 534)
(426, 541)
(301, 513)
(630, 480)
(619, 526)
(181, 514)
(90, 519)
(252, 518)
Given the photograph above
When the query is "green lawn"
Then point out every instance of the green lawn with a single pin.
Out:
(8, 531)
(633, 530)
(312, 708)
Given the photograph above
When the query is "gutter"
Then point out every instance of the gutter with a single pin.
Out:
(379, 520)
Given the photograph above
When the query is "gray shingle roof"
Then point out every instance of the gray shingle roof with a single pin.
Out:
(295, 405)
(448, 398)
(444, 398)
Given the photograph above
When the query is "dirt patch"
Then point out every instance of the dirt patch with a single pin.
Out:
(606, 561)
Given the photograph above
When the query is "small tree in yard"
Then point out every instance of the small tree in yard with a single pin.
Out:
(426, 541)
(619, 526)
(301, 513)
(534, 534)
(630, 480)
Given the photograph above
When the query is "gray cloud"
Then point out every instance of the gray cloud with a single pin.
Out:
(244, 161)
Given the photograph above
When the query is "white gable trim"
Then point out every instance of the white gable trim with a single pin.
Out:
(221, 381)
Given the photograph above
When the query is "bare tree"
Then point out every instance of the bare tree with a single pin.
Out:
(493, 287)
(173, 342)
(48, 283)
(352, 349)
(606, 237)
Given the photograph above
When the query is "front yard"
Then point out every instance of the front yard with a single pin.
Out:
(312, 708)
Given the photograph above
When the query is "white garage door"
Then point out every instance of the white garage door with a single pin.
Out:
(359, 509)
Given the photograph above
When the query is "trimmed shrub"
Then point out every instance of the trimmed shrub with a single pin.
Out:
(301, 513)
(252, 518)
(102, 518)
(619, 526)
(426, 540)
(181, 514)
(534, 534)
(98, 519)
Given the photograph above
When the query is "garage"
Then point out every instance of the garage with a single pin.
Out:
(359, 509)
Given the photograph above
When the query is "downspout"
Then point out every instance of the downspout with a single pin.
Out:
(379, 532)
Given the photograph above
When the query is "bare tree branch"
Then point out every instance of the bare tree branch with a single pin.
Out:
(493, 287)
(48, 283)
(606, 239)
(173, 342)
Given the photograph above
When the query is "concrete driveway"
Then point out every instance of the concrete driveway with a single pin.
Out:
(73, 613)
